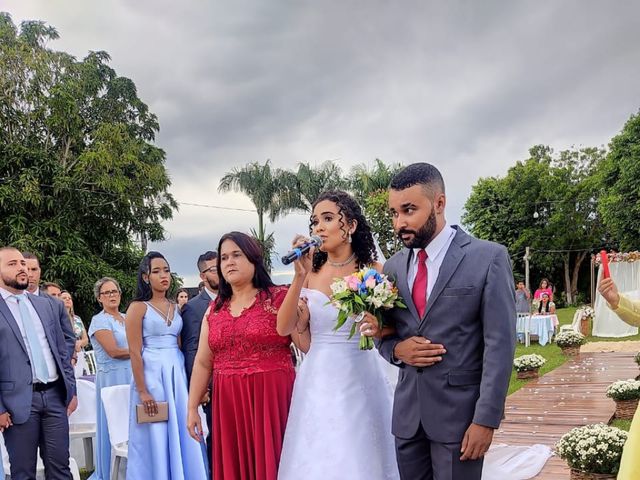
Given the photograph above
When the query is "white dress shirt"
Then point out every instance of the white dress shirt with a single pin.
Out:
(12, 303)
(436, 251)
(212, 295)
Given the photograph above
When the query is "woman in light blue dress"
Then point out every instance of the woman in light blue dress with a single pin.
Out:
(109, 340)
(161, 450)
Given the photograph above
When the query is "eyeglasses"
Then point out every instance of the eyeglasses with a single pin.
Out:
(213, 269)
(110, 293)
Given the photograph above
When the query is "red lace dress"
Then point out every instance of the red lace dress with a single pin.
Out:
(252, 384)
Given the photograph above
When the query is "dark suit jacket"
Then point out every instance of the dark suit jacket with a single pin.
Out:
(192, 314)
(15, 367)
(471, 311)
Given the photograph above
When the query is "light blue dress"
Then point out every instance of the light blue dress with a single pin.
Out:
(163, 450)
(110, 371)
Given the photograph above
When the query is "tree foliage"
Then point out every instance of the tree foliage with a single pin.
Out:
(80, 177)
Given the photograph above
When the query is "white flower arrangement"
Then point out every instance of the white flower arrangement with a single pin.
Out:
(595, 448)
(585, 312)
(624, 390)
(570, 338)
(525, 363)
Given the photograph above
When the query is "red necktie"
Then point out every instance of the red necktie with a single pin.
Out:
(419, 292)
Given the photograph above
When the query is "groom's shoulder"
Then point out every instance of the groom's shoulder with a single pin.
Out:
(474, 244)
(395, 260)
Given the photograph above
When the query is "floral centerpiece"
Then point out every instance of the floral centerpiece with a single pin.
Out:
(585, 314)
(626, 394)
(570, 341)
(527, 365)
(592, 451)
(363, 291)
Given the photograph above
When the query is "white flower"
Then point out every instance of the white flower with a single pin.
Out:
(528, 362)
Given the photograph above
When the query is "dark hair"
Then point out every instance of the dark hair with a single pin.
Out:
(418, 174)
(253, 251)
(546, 306)
(205, 257)
(181, 290)
(143, 290)
(361, 240)
(544, 280)
(30, 256)
(46, 285)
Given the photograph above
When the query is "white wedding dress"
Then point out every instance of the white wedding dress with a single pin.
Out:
(339, 423)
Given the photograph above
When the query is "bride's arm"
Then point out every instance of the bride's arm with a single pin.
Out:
(288, 311)
(301, 335)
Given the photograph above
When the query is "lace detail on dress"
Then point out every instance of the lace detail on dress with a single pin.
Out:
(249, 343)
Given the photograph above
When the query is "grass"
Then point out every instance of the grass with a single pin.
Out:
(621, 424)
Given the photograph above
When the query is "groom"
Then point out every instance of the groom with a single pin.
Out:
(454, 343)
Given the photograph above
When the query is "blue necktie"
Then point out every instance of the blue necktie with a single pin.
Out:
(37, 356)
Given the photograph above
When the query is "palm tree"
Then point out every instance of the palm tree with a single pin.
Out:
(312, 181)
(365, 181)
(268, 189)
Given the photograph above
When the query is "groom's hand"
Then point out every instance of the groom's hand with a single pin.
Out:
(477, 440)
(418, 352)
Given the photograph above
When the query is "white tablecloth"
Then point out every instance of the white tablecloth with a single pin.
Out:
(541, 325)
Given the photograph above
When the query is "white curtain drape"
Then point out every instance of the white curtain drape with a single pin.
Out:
(606, 323)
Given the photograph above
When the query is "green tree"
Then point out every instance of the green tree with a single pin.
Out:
(364, 180)
(80, 177)
(376, 209)
(310, 181)
(269, 189)
(548, 203)
(619, 184)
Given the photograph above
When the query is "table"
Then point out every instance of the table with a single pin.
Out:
(543, 326)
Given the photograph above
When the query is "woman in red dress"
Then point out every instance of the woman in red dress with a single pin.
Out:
(252, 368)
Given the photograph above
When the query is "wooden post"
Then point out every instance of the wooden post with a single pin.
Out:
(526, 268)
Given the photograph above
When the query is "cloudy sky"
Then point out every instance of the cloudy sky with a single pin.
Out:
(468, 86)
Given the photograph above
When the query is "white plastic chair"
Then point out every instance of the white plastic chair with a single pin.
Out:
(82, 422)
(90, 360)
(6, 466)
(116, 408)
(298, 355)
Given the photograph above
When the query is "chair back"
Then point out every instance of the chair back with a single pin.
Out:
(86, 411)
(116, 408)
(90, 360)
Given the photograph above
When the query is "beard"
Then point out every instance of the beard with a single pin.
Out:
(423, 236)
(213, 286)
(15, 283)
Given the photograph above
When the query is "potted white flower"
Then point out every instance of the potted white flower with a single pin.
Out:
(592, 451)
(570, 341)
(626, 394)
(527, 366)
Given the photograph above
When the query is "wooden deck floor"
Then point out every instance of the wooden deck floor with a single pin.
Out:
(569, 396)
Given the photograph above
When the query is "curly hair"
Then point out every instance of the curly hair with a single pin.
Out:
(361, 240)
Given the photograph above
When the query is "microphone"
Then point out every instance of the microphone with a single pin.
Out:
(298, 252)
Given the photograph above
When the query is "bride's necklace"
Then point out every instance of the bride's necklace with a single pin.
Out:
(165, 316)
(342, 264)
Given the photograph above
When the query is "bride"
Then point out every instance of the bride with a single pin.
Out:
(340, 419)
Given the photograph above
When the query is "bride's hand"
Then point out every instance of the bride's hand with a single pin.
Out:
(303, 315)
(369, 326)
(304, 264)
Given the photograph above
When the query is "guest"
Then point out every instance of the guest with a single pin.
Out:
(192, 315)
(546, 307)
(629, 312)
(182, 297)
(82, 340)
(253, 375)
(159, 450)
(38, 385)
(543, 288)
(109, 340)
(200, 287)
(523, 296)
(52, 289)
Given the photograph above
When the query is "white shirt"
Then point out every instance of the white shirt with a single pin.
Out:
(210, 293)
(12, 303)
(436, 251)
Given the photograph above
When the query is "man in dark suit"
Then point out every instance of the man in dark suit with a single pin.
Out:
(37, 385)
(192, 314)
(454, 343)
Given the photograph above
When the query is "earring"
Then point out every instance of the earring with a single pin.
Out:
(349, 238)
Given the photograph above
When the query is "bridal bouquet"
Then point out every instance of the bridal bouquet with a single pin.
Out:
(363, 291)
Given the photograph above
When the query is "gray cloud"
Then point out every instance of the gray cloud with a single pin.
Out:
(469, 86)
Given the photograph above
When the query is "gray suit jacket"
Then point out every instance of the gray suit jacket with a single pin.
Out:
(192, 314)
(15, 368)
(471, 311)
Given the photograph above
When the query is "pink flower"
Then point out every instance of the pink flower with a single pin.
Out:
(371, 282)
(353, 282)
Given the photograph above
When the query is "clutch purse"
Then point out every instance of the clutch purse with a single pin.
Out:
(161, 416)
